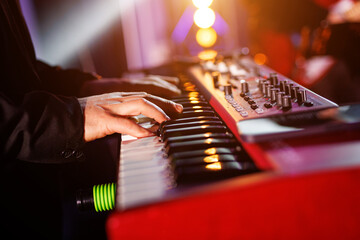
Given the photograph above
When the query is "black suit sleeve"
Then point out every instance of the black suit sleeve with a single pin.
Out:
(61, 81)
(43, 128)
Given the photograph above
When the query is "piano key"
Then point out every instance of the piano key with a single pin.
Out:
(212, 171)
(197, 98)
(192, 130)
(189, 103)
(197, 137)
(205, 152)
(199, 144)
(190, 124)
(189, 119)
(204, 160)
(197, 107)
(196, 113)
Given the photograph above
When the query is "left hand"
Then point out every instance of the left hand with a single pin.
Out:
(157, 85)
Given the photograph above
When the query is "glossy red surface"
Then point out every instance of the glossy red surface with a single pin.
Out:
(324, 205)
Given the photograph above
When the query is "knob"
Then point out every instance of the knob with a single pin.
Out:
(268, 91)
(244, 87)
(274, 79)
(282, 85)
(294, 91)
(288, 88)
(273, 94)
(215, 77)
(227, 90)
(286, 102)
(260, 84)
(263, 87)
(279, 96)
(301, 96)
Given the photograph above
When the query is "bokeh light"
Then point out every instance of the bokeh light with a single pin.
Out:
(207, 55)
(202, 3)
(206, 37)
(204, 17)
(260, 58)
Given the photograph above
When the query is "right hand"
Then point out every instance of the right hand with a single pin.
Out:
(109, 113)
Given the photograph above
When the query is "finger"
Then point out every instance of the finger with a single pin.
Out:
(126, 126)
(171, 108)
(173, 80)
(136, 107)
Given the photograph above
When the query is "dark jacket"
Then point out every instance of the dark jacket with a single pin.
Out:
(40, 119)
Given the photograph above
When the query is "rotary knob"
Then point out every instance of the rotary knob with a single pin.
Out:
(282, 85)
(279, 96)
(286, 102)
(244, 87)
(288, 88)
(293, 92)
(227, 90)
(268, 91)
(273, 79)
(301, 96)
(273, 94)
(215, 77)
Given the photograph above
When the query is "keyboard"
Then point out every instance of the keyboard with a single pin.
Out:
(194, 149)
(203, 144)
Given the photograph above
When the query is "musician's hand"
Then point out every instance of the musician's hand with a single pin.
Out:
(158, 85)
(109, 113)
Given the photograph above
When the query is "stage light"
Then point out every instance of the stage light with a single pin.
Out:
(204, 17)
(65, 37)
(206, 37)
(202, 3)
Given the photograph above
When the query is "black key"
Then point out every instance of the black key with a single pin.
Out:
(196, 113)
(207, 152)
(204, 160)
(189, 119)
(200, 144)
(192, 130)
(212, 171)
(189, 124)
(188, 94)
(196, 107)
(183, 99)
(189, 103)
(197, 137)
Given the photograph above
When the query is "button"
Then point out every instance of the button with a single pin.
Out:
(268, 105)
(254, 106)
(259, 110)
(244, 113)
(251, 101)
(79, 154)
(246, 98)
(67, 153)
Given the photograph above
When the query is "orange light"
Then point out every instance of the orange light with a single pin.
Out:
(204, 17)
(210, 151)
(214, 166)
(211, 159)
(209, 140)
(206, 37)
(207, 55)
(260, 58)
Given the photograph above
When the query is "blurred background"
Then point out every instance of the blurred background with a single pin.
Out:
(314, 42)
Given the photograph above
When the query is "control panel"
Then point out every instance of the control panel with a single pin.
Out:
(246, 90)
